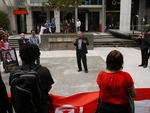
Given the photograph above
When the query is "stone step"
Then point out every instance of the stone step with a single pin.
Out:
(116, 44)
(99, 41)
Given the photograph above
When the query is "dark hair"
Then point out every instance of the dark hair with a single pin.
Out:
(32, 30)
(29, 52)
(3, 37)
(7, 53)
(114, 61)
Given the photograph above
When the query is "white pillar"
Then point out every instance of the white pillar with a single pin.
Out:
(76, 17)
(29, 21)
(57, 20)
(103, 15)
(86, 21)
(141, 13)
(13, 21)
(125, 15)
(100, 17)
(48, 16)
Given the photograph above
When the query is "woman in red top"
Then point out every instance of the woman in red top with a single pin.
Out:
(115, 85)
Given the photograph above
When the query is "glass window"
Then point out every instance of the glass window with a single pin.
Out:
(20, 2)
(38, 1)
(92, 2)
(147, 4)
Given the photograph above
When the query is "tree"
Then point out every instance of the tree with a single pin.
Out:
(65, 6)
(4, 20)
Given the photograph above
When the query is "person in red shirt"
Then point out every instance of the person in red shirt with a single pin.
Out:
(115, 85)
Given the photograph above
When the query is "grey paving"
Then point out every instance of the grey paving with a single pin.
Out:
(63, 67)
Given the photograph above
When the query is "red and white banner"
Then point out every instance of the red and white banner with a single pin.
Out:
(87, 102)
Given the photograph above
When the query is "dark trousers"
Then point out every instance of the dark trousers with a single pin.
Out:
(81, 56)
(144, 55)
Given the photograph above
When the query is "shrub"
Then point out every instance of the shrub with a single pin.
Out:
(4, 20)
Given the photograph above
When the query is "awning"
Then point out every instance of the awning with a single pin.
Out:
(20, 12)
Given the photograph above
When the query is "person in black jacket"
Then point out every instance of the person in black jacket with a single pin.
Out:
(144, 41)
(22, 40)
(81, 51)
(5, 106)
(29, 53)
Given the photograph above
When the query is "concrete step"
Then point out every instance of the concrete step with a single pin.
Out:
(99, 41)
(130, 43)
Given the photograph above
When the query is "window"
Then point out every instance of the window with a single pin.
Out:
(92, 2)
(38, 1)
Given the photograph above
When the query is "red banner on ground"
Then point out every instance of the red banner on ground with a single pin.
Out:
(87, 102)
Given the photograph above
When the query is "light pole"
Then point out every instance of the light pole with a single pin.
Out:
(133, 23)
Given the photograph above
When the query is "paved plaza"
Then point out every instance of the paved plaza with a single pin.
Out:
(68, 81)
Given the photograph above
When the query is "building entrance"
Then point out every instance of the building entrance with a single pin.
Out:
(21, 23)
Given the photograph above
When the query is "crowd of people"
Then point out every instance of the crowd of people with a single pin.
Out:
(114, 83)
(66, 26)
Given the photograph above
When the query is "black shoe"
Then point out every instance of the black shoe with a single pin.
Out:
(141, 65)
(144, 66)
(79, 70)
(86, 71)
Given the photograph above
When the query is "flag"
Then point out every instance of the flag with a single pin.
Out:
(87, 102)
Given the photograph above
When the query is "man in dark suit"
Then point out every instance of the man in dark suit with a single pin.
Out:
(144, 41)
(22, 40)
(81, 51)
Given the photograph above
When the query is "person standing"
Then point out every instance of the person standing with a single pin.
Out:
(35, 40)
(22, 40)
(78, 25)
(4, 45)
(72, 25)
(29, 53)
(5, 105)
(115, 85)
(81, 51)
(66, 27)
(144, 41)
(53, 25)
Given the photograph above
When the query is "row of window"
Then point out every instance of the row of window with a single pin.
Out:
(86, 2)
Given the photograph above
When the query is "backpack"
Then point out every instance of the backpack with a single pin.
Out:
(26, 90)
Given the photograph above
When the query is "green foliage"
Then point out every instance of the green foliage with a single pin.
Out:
(4, 20)
(64, 6)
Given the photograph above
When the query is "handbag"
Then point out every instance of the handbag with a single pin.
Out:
(131, 103)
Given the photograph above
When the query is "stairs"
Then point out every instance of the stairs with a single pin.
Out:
(100, 40)
(111, 41)
(14, 43)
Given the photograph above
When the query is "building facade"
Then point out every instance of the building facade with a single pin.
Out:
(30, 14)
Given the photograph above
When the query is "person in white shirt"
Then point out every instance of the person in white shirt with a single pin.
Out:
(78, 24)
(41, 31)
